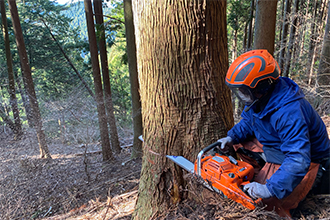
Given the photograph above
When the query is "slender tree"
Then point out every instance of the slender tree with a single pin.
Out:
(106, 78)
(25, 99)
(289, 52)
(323, 73)
(5, 118)
(245, 35)
(133, 75)
(302, 25)
(237, 19)
(102, 118)
(279, 28)
(264, 34)
(44, 152)
(312, 42)
(182, 61)
(11, 79)
(250, 32)
(285, 25)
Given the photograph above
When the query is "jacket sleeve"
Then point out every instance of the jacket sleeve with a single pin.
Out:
(292, 128)
(242, 129)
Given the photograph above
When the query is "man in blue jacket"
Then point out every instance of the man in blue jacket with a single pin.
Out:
(292, 134)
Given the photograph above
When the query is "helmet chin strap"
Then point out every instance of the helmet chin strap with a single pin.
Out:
(250, 106)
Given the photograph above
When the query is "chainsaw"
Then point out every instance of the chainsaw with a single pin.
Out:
(222, 174)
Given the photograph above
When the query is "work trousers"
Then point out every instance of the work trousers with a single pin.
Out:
(315, 181)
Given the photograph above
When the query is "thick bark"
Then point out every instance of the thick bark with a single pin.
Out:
(11, 79)
(264, 35)
(286, 69)
(106, 79)
(102, 118)
(182, 60)
(134, 79)
(25, 66)
(285, 26)
(323, 73)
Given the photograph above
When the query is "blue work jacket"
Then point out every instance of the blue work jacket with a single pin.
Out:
(292, 134)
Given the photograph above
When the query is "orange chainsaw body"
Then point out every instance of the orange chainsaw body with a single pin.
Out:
(229, 178)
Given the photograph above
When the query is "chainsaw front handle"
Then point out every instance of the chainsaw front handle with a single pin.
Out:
(202, 152)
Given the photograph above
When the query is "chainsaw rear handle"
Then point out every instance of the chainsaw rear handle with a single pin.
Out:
(202, 152)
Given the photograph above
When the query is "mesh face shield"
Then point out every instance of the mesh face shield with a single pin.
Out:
(249, 96)
(244, 94)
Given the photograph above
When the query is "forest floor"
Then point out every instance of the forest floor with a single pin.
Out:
(74, 181)
(76, 184)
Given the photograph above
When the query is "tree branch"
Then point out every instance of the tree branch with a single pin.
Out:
(69, 61)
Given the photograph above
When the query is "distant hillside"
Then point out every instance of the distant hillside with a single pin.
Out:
(76, 11)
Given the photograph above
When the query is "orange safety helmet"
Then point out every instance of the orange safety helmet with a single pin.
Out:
(251, 75)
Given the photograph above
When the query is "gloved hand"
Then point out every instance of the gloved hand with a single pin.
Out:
(225, 141)
(257, 190)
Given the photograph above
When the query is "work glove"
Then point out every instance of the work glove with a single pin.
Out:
(226, 141)
(257, 190)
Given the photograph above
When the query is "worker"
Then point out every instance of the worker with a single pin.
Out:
(291, 137)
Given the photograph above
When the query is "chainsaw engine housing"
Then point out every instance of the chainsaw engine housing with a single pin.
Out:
(227, 177)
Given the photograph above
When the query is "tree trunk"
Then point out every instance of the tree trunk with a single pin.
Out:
(303, 28)
(27, 106)
(323, 73)
(311, 53)
(182, 58)
(5, 117)
(285, 26)
(278, 46)
(234, 52)
(106, 79)
(25, 100)
(61, 125)
(44, 153)
(23, 96)
(102, 118)
(250, 36)
(245, 36)
(320, 25)
(11, 79)
(286, 69)
(134, 79)
(264, 34)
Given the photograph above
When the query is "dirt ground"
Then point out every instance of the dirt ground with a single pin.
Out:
(74, 181)
(76, 184)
